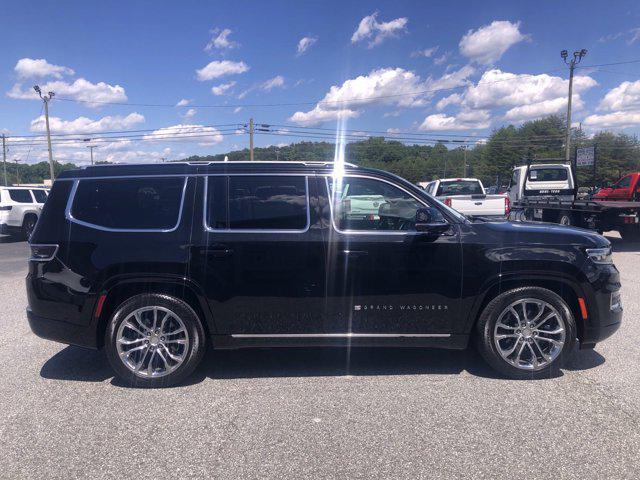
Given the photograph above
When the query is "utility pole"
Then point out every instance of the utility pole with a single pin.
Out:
(46, 99)
(91, 147)
(251, 139)
(577, 56)
(465, 162)
(17, 172)
(4, 159)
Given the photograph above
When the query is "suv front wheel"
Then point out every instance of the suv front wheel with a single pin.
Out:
(154, 340)
(526, 333)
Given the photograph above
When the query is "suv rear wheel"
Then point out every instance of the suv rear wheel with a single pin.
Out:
(526, 333)
(154, 340)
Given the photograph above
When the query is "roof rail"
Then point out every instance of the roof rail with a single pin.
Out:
(277, 162)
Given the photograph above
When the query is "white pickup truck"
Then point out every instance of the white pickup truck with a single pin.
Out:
(467, 196)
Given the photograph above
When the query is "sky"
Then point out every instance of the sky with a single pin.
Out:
(173, 79)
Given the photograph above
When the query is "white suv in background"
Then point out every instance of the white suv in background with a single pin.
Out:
(20, 208)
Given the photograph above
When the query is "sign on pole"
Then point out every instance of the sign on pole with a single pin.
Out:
(585, 157)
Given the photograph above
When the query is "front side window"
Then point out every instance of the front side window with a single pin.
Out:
(39, 195)
(624, 182)
(366, 204)
(20, 196)
(148, 203)
(266, 202)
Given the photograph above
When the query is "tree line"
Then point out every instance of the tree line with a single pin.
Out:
(491, 160)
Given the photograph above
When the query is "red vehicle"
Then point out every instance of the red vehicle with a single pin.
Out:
(625, 189)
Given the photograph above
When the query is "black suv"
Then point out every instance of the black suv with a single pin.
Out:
(155, 262)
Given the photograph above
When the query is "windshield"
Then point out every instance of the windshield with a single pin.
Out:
(459, 187)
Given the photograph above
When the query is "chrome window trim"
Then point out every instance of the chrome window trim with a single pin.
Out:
(69, 214)
(253, 230)
(340, 335)
(369, 232)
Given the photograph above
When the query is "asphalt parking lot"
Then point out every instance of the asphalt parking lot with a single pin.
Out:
(317, 413)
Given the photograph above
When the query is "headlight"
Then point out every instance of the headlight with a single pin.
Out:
(600, 255)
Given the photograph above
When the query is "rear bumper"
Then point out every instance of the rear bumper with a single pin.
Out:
(62, 332)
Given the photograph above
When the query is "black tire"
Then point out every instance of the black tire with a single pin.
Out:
(28, 225)
(484, 333)
(565, 218)
(630, 234)
(192, 356)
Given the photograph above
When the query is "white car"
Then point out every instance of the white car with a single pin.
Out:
(468, 196)
(20, 208)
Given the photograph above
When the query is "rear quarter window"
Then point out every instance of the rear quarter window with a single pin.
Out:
(39, 195)
(129, 203)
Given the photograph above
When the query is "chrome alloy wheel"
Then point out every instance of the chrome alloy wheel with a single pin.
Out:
(152, 342)
(529, 334)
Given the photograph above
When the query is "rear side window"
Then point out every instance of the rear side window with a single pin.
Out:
(459, 187)
(149, 203)
(39, 195)
(257, 203)
(20, 196)
(548, 174)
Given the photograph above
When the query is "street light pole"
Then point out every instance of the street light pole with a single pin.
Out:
(251, 139)
(46, 99)
(577, 56)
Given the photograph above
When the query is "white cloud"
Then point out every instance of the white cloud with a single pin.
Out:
(190, 113)
(393, 131)
(541, 109)
(237, 110)
(632, 35)
(183, 103)
(487, 44)
(304, 44)
(222, 88)
(502, 89)
(39, 68)
(427, 52)
(621, 119)
(442, 58)
(453, 99)
(319, 115)
(625, 96)
(465, 120)
(275, 82)
(370, 29)
(201, 134)
(386, 86)
(220, 68)
(220, 40)
(93, 94)
(87, 125)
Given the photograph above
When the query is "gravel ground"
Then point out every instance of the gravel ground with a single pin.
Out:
(317, 413)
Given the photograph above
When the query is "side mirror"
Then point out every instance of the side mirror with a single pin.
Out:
(429, 220)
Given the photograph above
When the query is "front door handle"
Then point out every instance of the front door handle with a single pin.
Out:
(217, 251)
(355, 253)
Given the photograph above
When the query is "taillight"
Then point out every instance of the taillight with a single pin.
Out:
(507, 206)
(447, 202)
(7, 208)
(43, 253)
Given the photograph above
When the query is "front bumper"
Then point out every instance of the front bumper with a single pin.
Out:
(605, 308)
(63, 332)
